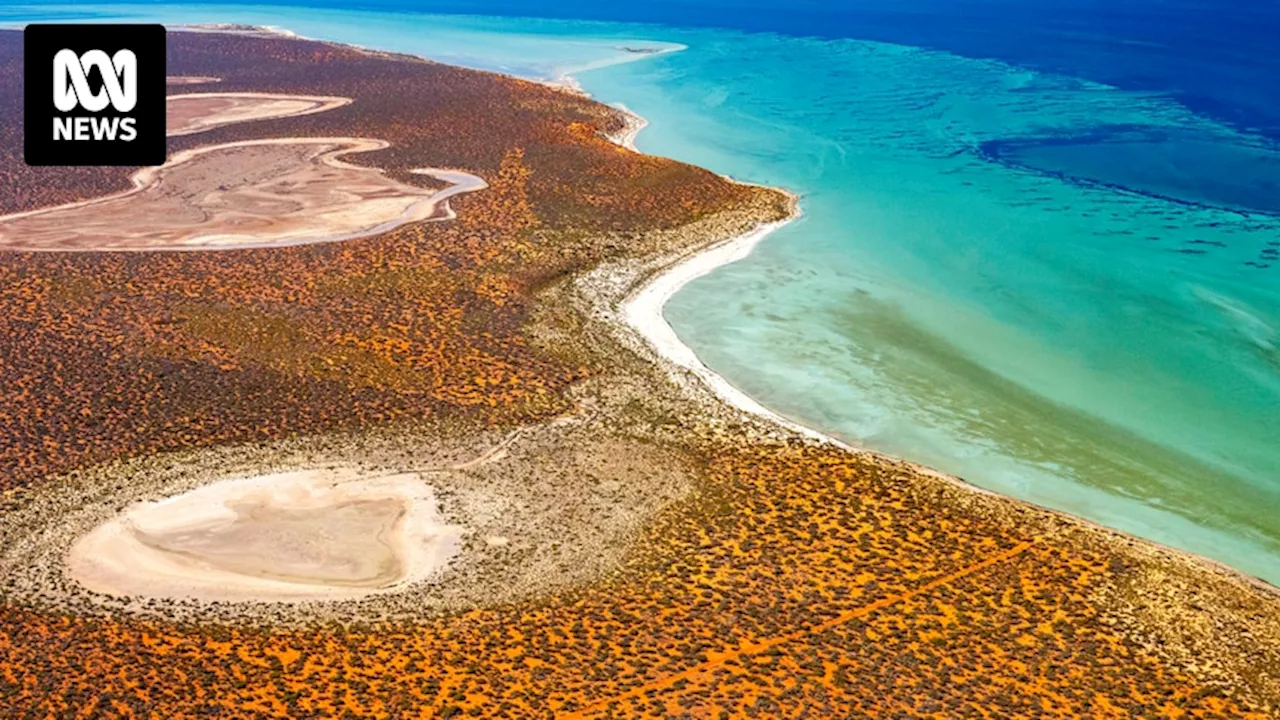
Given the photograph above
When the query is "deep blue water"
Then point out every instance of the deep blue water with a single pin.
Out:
(1182, 168)
(1217, 58)
(1041, 248)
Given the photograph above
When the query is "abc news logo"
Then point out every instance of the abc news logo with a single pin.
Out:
(71, 90)
(94, 94)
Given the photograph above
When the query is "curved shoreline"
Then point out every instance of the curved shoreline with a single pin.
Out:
(651, 326)
(611, 494)
(641, 311)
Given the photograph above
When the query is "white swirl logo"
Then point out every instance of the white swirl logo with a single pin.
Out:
(71, 80)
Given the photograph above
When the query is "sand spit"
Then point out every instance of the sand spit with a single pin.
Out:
(191, 80)
(632, 125)
(197, 112)
(268, 31)
(259, 193)
(313, 534)
(567, 81)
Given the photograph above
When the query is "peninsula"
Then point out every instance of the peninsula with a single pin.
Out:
(400, 432)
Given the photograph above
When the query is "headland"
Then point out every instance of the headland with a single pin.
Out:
(493, 480)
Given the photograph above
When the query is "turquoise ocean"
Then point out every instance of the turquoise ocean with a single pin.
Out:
(1055, 288)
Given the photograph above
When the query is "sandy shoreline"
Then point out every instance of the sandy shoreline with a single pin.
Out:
(634, 124)
(641, 312)
(642, 308)
(607, 485)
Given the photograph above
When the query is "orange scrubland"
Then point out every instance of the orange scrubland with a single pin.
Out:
(799, 585)
(124, 354)
(797, 581)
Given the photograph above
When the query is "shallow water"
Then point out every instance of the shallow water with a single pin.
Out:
(1095, 330)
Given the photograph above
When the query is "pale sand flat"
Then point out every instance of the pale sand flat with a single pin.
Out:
(258, 193)
(197, 112)
(190, 80)
(286, 537)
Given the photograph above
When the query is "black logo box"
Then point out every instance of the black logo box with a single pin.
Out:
(41, 43)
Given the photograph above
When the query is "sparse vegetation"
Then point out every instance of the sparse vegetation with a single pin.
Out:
(794, 579)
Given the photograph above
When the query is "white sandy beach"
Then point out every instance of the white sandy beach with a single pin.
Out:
(634, 124)
(642, 311)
